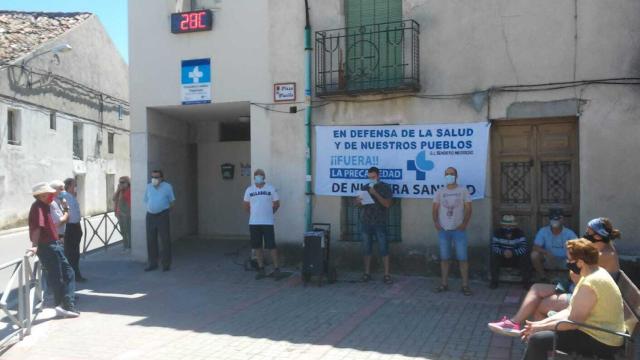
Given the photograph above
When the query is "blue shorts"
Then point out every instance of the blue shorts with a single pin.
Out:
(459, 238)
(380, 233)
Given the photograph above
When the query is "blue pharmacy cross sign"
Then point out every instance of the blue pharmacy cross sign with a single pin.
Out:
(196, 81)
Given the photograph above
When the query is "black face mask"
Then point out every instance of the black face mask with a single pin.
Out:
(593, 239)
(573, 266)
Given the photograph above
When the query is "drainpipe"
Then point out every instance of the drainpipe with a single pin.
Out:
(307, 116)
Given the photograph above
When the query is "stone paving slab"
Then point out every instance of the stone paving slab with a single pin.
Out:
(208, 307)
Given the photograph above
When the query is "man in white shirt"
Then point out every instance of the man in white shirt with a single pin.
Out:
(261, 201)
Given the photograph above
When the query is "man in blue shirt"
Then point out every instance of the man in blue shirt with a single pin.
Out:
(549, 246)
(73, 230)
(159, 198)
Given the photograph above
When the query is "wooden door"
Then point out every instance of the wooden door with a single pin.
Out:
(534, 169)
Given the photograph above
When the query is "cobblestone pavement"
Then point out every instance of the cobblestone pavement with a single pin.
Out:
(208, 307)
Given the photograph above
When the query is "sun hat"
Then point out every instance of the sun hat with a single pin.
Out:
(42, 188)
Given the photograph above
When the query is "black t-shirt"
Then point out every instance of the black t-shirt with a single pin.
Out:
(376, 214)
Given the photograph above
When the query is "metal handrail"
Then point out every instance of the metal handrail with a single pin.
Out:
(30, 295)
(625, 336)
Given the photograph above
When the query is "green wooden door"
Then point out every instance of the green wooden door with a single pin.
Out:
(374, 44)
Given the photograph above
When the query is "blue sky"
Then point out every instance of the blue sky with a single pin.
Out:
(112, 14)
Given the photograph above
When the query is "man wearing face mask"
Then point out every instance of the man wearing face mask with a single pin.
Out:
(374, 223)
(44, 239)
(261, 201)
(159, 199)
(73, 230)
(549, 246)
(451, 214)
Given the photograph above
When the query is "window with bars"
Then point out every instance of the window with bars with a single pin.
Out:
(351, 224)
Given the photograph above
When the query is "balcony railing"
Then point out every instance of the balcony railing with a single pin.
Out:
(376, 58)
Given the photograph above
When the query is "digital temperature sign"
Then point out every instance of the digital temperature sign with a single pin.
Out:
(191, 21)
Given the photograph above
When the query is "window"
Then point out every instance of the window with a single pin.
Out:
(52, 120)
(110, 139)
(111, 180)
(120, 112)
(13, 127)
(78, 145)
(351, 215)
(235, 131)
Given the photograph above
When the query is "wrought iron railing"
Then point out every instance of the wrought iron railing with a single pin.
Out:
(374, 58)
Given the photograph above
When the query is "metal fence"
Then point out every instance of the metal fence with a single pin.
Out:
(368, 59)
(103, 232)
(25, 282)
(27, 272)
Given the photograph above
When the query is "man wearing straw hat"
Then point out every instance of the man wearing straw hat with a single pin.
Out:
(509, 248)
(44, 238)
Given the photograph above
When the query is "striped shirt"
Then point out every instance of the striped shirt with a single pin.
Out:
(509, 239)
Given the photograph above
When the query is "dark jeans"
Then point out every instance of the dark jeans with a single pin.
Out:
(72, 240)
(379, 231)
(158, 225)
(59, 273)
(521, 262)
(571, 341)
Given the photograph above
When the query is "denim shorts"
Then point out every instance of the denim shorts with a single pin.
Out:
(380, 233)
(457, 237)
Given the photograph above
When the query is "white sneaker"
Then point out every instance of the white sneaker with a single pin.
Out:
(62, 312)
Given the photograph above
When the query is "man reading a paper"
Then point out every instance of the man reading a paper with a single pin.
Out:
(375, 199)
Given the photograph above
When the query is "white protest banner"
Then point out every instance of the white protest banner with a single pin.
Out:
(411, 158)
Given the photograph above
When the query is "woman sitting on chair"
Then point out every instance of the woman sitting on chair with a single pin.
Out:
(596, 301)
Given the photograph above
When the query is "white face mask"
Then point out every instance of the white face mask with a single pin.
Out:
(450, 179)
(155, 182)
(259, 179)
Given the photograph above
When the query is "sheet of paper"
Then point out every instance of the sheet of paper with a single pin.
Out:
(365, 198)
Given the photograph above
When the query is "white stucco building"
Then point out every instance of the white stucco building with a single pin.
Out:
(556, 140)
(63, 110)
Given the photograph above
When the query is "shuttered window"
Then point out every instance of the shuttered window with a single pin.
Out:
(374, 43)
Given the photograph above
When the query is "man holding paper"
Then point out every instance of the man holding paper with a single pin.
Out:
(375, 199)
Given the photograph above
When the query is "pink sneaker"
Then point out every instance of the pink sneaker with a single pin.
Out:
(505, 327)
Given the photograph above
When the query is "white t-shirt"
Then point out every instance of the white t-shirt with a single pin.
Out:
(261, 200)
(451, 210)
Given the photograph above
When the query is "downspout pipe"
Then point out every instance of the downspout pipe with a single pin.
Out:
(307, 117)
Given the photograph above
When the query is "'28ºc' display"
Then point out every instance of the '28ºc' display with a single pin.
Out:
(191, 21)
